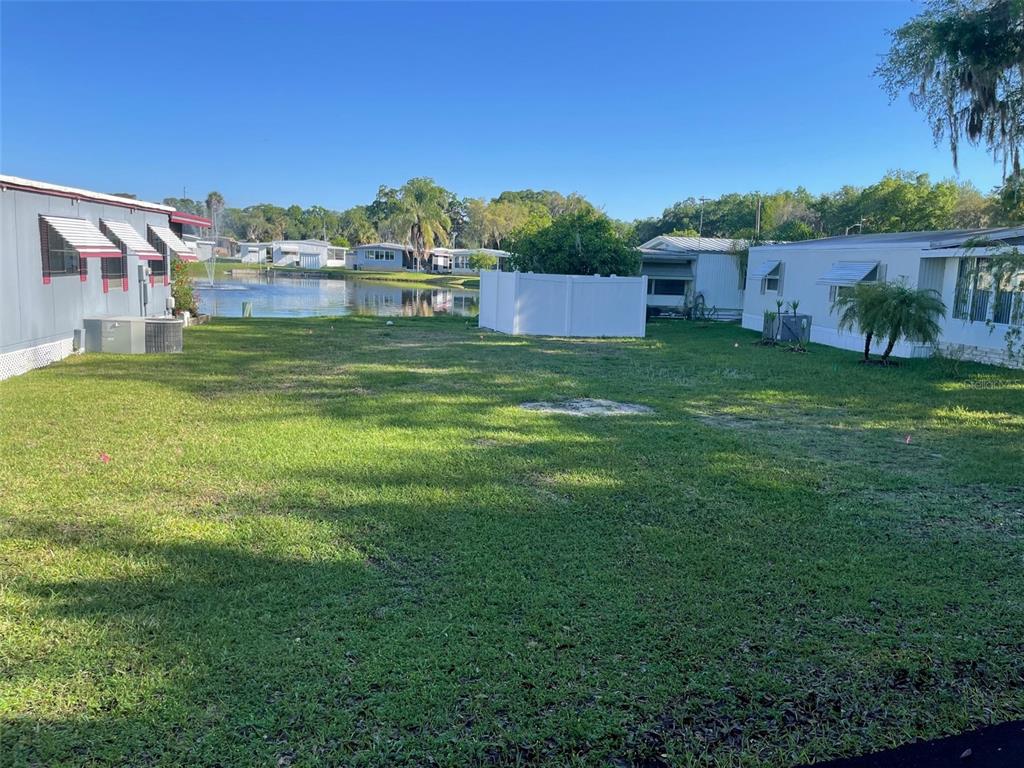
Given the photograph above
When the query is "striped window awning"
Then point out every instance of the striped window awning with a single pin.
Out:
(173, 244)
(82, 235)
(848, 273)
(124, 234)
(764, 269)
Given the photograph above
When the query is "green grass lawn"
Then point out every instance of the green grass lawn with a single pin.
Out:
(336, 542)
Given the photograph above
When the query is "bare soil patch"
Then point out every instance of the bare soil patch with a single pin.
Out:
(586, 406)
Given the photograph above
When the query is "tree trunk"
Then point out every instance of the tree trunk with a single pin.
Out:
(888, 349)
(867, 344)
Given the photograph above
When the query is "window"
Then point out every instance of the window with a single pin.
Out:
(662, 287)
(772, 282)
(159, 268)
(963, 289)
(978, 298)
(835, 291)
(59, 258)
(115, 269)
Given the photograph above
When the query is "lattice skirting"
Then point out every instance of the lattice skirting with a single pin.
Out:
(23, 360)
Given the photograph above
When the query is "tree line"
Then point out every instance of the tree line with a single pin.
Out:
(423, 214)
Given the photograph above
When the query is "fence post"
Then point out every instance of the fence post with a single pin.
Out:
(643, 306)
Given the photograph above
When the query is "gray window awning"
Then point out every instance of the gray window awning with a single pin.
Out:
(764, 269)
(668, 271)
(848, 273)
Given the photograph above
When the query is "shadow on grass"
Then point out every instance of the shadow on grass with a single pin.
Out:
(487, 586)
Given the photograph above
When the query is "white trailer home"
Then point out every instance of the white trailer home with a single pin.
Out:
(684, 273)
(67, 254)
(380, 256)
(308, 254)
(815, 272)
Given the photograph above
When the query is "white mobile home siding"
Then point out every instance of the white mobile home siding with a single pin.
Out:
(916, 263)
(717, 277)
(360, 259)
(38, 321)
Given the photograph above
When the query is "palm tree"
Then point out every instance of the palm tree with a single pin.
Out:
(420, 217)
(214, 205)
(862, 308)
(911, 314)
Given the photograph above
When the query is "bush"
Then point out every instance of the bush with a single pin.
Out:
(580, 243)
(481, 260)
(181, 289)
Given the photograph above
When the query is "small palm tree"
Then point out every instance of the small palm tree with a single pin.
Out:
(911, 314)
(861, 308)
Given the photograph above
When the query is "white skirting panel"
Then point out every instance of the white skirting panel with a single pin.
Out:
(23, 360)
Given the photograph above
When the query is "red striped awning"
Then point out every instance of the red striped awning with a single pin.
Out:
(82, 235)
(190, 219)
(172, 243)
(124, 234)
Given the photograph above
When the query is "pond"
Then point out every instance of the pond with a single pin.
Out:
(278, 296)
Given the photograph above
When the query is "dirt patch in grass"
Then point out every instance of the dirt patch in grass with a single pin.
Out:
(586, 406)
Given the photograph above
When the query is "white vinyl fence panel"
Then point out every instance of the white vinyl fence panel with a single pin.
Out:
(563, 305)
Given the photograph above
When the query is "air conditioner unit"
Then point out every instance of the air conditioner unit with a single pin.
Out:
(133, 335)
(164, 334)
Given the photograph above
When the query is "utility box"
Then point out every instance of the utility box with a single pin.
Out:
(795, 328)
(119, 335)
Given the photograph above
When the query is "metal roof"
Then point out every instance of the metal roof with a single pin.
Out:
(942, 238)
(764, 269)
(847, 272)
(42, 187)
(694, 244)
(383, 245)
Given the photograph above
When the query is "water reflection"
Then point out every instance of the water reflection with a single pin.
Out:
(276, 296)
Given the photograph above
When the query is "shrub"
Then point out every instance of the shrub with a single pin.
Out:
(182, 290)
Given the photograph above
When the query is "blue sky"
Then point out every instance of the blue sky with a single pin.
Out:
(633, 105)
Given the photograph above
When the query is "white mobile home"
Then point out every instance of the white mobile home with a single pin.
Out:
(337, 256)
(380, 256)
(688, 272)
(308, 254)
(67, 254)
(460, 258)
(815, 272)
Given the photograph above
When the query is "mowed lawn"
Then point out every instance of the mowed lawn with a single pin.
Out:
(337, 542)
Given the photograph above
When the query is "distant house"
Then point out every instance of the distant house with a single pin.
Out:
(816, 272)
(686, 271)
(441, 260)
(308, 254)
(254, 253)
(67, 254)
(380, 256)
(337, 256)
(460, 258)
